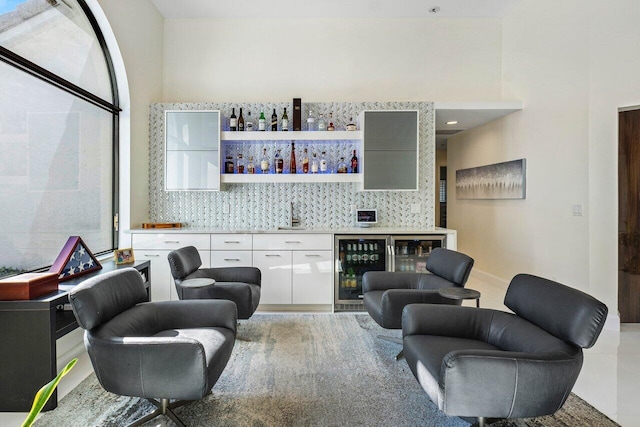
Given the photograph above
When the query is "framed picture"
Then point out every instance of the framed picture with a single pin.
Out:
(498, 181)
(123, 256)
(74, 260)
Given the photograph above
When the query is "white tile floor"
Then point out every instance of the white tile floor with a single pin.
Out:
(610, 376)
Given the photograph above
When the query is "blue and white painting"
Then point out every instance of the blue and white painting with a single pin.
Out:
(498, 181)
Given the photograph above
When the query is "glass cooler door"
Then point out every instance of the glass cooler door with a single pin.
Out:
(355, 256)
(411, 252)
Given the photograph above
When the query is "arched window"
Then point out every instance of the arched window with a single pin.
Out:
(58, 133)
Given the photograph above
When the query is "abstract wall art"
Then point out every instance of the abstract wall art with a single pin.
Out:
(498, 181)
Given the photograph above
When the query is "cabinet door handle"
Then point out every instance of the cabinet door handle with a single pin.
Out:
(272, 255)
(312, 255)
(172, 241)
(292, 241)
(232, 259)
(231, 241)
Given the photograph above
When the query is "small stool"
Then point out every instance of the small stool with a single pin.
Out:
(191, 288)
(460, 294)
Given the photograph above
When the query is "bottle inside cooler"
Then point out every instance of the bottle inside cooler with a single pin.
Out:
(360, 256)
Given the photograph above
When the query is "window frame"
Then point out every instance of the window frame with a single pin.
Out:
(11, 58)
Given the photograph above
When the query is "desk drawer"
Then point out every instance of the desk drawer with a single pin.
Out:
(292, 242)
(170, 241)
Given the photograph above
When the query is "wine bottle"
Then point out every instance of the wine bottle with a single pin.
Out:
(305, 162)
(285, 120)
(264, 163)
(292, 159)
(274, 120)
(354, 163)
(262, 122)
(240, 121)
(233, 120)
(278, 162)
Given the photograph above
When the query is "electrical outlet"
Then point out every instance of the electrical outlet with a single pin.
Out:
(225, 208)
(576, 210)
(416, 208)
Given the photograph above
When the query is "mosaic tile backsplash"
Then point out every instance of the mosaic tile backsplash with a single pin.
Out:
(257, 206)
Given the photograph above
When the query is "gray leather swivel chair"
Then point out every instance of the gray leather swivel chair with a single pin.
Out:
(387, 293)
(238, 284)
(156, 350)
(494, 364)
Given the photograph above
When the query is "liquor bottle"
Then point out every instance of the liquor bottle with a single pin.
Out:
(285, 120)
(330, 126)
(274, 120)
(262, 122)
(322, 125)
(229, 167)
(251, 167)
(365, 253)
(240, 164)
(240, 121)
(311, 122)
(354, 163)
(278, 162)
(348, 253)
(352, 124)
(292, 159)
(305, 162)
(264, 163)
(248, 124)
(342, 166)
(375, 252)
(324, 164)
(233, 120)
(314, 164)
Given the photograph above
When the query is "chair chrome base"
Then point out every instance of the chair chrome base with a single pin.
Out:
(163, 408)
(395, 340)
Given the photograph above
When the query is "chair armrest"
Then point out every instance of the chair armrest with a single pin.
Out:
(187, 314)
(501, 384)
(235, 274)
(447, 320)
(383, 280)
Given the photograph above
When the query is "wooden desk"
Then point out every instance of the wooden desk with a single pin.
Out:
(29, 330)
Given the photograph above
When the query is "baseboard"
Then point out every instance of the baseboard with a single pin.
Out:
(490, 278)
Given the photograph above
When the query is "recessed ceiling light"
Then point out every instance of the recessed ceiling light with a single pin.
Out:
(434, 9)
(452, 122)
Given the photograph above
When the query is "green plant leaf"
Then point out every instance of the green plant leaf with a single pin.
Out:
(44, 394)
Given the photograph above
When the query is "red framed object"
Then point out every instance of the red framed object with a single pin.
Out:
(74, 260)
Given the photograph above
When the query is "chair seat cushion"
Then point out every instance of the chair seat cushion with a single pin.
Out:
(425, 353)
(217, 343)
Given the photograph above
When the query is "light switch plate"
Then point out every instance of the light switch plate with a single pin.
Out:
(416, 208)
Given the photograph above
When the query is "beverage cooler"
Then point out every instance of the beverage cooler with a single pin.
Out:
(357, 254)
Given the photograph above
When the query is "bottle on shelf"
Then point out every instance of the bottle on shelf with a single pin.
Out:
(342, 166)
(324, 163)
(285, 120)
(354, 162)
(278, 162)
(311, 122)
(248, 124)
(322, 125)
(240, 164)
(348, 257)
(305, 161)
(292, 159)
(330, 126)
(240, 121)
(262, 122)
(264, 162)
(251, 167)
(315, 167)
(274, 121)
(233, 120)
(229, 166)
(351, 125)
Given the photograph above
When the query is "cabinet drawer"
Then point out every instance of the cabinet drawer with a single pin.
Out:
(231, 242)
(170, 241)
(292, 242)
(231, 259)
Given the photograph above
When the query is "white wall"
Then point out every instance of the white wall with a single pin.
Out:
(138, 28)
(273, 60)
(572, 64)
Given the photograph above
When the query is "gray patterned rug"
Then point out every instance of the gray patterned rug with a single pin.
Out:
(302, 370)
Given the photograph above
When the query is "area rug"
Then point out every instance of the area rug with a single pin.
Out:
(302, 370)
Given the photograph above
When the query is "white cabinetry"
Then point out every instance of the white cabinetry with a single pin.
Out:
(231, 250)
(296, 268)
(155, 248)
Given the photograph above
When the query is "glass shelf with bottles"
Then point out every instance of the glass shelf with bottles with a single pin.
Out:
(272, 161)
(259, 136)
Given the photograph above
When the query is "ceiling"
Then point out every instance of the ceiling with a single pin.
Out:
(192, 9)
